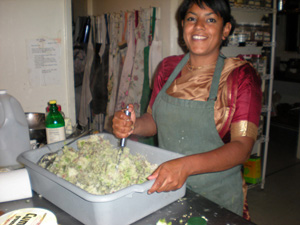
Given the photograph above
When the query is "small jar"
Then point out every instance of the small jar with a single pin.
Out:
(239, 2)
(257, 3)
(243, 34)
(268, 3)
(251, 2)
(233, 39)
(258, 34)
(266, 32)
(251, 41)
(255, 62)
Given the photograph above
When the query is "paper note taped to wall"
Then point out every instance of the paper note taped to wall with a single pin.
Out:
(44, 64)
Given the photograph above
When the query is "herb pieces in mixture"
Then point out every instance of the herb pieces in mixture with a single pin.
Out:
(93, 166)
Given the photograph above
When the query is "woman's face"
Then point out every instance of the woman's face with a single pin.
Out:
(203, 32)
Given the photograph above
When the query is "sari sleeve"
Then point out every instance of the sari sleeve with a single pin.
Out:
(246, 118)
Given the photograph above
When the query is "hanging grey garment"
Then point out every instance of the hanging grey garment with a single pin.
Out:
(79, 29)
(188, 127)
(114, 69)
(99, 79)
(79, 54)
(86, 96)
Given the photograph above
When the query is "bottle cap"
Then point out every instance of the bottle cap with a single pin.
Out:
(196, 221)
(52, 102)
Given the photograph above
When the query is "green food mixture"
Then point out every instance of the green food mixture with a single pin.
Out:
(93, 166)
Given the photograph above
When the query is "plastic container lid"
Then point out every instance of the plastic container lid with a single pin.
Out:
(29, 216)
(3, 91)
(197, 221)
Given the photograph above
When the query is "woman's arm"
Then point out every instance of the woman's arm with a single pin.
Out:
(171, 175)
(145, 126)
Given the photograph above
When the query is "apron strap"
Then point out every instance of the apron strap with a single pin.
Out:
(216, 79)
(177, 70)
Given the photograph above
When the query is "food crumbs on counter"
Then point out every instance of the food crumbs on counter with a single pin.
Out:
(27, 200)
(203, 217)
(40, 196)
(163, 222)
(181, 200)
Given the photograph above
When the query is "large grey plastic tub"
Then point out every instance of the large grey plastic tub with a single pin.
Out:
(120, 208)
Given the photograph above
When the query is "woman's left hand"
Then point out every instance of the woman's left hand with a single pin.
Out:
(169, 176)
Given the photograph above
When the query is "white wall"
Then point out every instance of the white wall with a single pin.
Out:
(20, 22)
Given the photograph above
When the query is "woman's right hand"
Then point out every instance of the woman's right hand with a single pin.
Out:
(123, 125)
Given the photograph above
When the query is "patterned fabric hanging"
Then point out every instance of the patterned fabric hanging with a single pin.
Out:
(115, 71)
(126, 74)
(137, 79)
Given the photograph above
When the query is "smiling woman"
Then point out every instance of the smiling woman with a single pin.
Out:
(205, 26)
(203, 34)
(203, 105)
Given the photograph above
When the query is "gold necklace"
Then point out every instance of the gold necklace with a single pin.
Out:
(192, 68)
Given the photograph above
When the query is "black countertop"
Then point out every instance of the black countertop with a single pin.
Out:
(178, 212)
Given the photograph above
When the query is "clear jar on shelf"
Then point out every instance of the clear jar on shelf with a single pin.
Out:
(257, 33)
(239, 2)
(268, 3)
(244, 33)
(257, 3)
(233, 39)
(251, 2)
(266, 32)
(251, 41)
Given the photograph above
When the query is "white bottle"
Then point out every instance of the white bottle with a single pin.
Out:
(14, 130)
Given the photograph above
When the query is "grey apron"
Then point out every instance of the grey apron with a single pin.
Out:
(188, 127)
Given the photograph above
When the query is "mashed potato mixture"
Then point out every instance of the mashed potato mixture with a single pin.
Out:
(93, 166)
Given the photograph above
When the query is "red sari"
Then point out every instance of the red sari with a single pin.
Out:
(238, 105)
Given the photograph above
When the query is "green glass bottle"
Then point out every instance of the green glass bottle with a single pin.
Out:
(55, 124)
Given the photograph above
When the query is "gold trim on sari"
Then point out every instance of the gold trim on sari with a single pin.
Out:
(243, 128)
